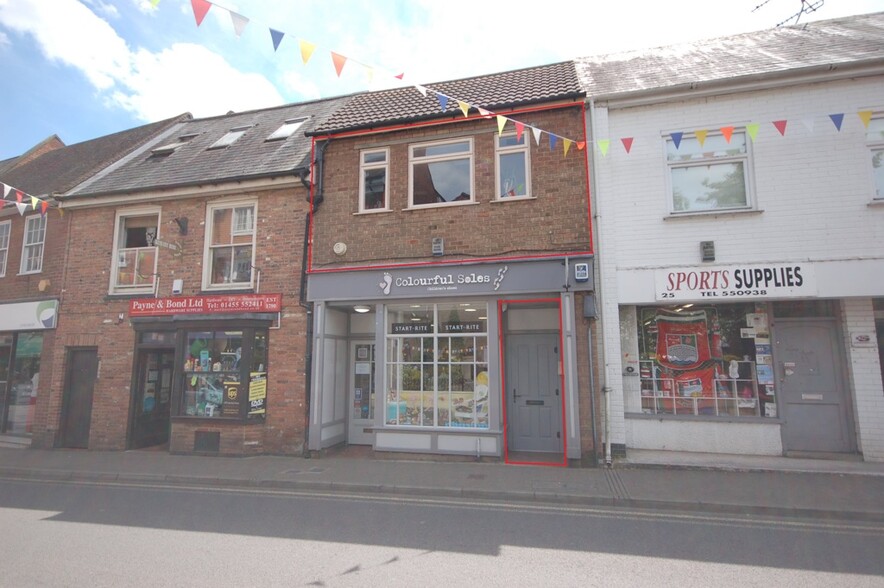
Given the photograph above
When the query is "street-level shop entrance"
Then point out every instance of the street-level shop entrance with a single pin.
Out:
(76, 412)
(152, 397)
(362, 396)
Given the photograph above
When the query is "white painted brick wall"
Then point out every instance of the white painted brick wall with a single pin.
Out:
(865, 379)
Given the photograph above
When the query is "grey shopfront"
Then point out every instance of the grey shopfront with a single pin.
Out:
(470, 359)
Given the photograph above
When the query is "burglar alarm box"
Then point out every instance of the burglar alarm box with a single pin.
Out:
(581, 272)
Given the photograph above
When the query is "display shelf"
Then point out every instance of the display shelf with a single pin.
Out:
(728, 397)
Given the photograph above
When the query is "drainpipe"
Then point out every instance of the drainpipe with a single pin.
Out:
(606, 390)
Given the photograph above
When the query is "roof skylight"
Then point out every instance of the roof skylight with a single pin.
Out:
(287, 129)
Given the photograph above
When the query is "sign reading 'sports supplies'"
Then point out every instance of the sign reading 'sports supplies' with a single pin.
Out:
(735, 282)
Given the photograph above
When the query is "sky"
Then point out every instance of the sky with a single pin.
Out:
(81, 69)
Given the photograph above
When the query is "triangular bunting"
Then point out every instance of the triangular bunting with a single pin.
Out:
(520, 128)
(701, 136)
(239, 23)
(567, 144)
(277, 38)
(18, 196)
(552, 141)
(727, 132)
(536, 132)
(200, 8)
(865, 116)
(464, 107)
(307, 49)
(44, 206)
(22, 207)
(808, 123)
(60, 211)
(34, 202)
(399, 76)
(781, 126)
(339, 61)
(6, 189)
(603, 146)
(627, 143)
(837, 119)
(581, 145)
(443, 101)
(369, 74)
(484, 113)
(422, 90)
(676, 138)
(501, 122)
(752, 129)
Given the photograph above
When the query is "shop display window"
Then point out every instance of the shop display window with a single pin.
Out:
(437, 365)
(25, 382)
(224, 374)
(706, 360)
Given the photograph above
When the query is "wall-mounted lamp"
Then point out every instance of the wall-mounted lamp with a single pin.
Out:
(362, 308)
(181, 221)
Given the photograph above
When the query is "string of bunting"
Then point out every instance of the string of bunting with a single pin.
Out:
(23, 200)
(201, 9)
(727, 132)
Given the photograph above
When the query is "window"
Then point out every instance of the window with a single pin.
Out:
(135, 252)
(231, 239)
(711, 175)
(513, 167)
(4, 245)
(700, 361)
(32, 251)
(170, 148)
(231, 137)
(225, 374)
(287, 129)
(441, 173)
(875, 137)
(373, 172)
(437, 365)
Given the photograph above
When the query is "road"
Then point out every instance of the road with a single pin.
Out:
(79, 534)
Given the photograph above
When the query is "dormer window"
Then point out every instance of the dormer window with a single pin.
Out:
(231, 137)
(287, 129)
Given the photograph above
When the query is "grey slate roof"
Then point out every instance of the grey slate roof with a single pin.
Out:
(521, 87)
(61, 169)
(251, 156)
(836, 42)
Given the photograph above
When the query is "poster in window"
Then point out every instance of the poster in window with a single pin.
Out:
(257, 393)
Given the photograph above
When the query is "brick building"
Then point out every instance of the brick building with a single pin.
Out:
(450, 270)
(182, 315)
(741, 260)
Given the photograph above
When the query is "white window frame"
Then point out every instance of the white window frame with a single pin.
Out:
(412, 160)
(121, 216)
(5, 232)
(744, 158)
(208, 247)
(287, 129)
(500, 151)
(372, 166)
(26, 246)
(876, 148)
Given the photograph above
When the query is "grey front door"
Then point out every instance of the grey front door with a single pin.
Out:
(533, 392)
(76, 415)
(811, 390)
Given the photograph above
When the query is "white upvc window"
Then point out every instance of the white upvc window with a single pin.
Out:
(712, 175)
(32, 249)
(135, 251)
(440, 173)
(230, 245)
(875, 139)
(374, 171)
(513, 166)
(5, 228)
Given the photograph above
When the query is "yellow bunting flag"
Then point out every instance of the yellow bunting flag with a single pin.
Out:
(464, 107)
(752, 129)
(701, 136)
(603, 146)
(307, 49)
(567, 143)
(34, 202)
(501, 122)
(865, 116)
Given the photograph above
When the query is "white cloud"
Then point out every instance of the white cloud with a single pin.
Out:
(104, 8)
(293, 81)
(4, 39)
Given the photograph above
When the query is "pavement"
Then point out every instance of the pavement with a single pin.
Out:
(776, 486)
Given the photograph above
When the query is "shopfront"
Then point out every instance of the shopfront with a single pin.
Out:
(741, 359)
(22, 329)
(475, 359)
(200, 371)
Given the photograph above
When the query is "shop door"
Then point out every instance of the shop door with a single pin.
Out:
(152, 396)
(813, 397)
(76, 413)
(534, 399)
(362, 396)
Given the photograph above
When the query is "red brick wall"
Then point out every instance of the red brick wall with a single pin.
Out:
(89, 317)
(556, 221)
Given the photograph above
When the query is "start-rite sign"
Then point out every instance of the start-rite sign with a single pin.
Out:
(735, 282)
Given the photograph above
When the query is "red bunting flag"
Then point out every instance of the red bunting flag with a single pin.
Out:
(44, 206)
(339, 61)
(781, 126)
(520, 128)
(581, 145)
(200, 9)
(627, 143)
(18, 196)
(399, 76)
(728, 132)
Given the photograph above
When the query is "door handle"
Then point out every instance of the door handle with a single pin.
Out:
(515, 395)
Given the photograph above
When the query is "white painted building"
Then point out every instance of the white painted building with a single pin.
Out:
(738, 194)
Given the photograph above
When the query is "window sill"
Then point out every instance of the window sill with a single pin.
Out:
(512, 199)
(128, 295)
(247, 289)
(437, 206)
(712, 213)
(705, 418)
(204, 420)
(372, 211)
(433, 430)
(876, 202)
(39, 271)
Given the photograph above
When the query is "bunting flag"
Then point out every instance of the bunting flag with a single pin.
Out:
(603, 146)
(34, 202)
(484, 113)
(567, 144)
(22, 207)
(464, 107)
(752, 129)
(781, 126)
(239, 23)
(728, 132)
(18, 196)
(627, 143)
(501, 122)
(865, 116)
(552, 141)
(443, 101)
(520, 128)
(701, 136)
(808, 124)
(422, 90)
(307, 49)
(276, 37)
(536, 132)
(200, 9)
(676, 139)
(399, 76)
(44, 206)
(6, 190)
(581, 145)
(369, 75)
(837, 119)
(339, 61)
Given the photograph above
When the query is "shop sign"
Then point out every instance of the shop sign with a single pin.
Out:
(28, 316)
(205, 304)
(485, 279)
(735, 282)
(412, 328)
(468, 327)
(257, 393)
